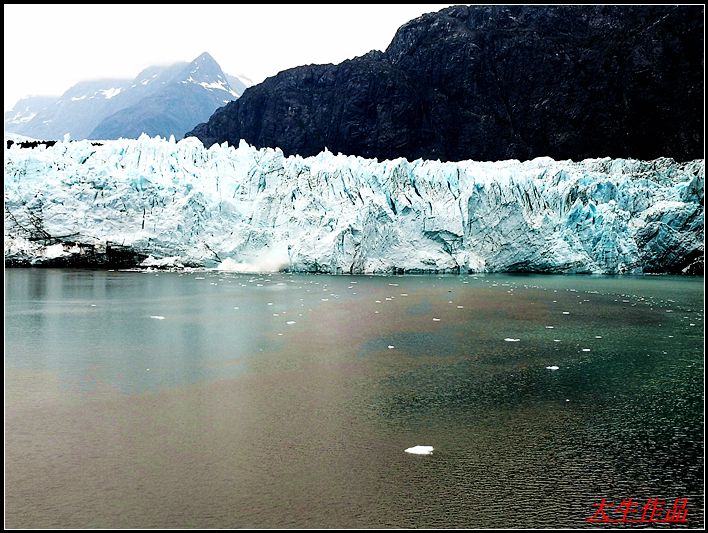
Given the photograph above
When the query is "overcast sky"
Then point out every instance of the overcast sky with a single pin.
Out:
(49, 48)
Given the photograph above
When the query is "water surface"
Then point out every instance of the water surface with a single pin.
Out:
(225, 400)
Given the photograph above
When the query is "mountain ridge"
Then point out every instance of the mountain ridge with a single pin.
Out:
(113, 107)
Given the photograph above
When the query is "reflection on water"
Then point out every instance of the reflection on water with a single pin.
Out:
(278, 401)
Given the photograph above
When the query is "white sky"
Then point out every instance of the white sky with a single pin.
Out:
(49, 48)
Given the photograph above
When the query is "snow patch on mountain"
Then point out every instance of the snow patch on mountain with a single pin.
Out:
(19, 118)
(110, 93)
(254, 210)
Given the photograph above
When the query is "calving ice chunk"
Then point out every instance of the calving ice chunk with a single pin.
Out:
(181, 204)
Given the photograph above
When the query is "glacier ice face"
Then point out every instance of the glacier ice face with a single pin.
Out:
(181, 204)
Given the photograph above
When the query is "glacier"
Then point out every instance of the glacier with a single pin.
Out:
(159, 203)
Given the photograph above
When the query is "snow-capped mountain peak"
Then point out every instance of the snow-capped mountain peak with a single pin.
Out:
(161, 100)
(206, 72)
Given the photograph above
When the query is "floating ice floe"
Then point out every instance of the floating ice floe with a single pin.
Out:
(420, 450)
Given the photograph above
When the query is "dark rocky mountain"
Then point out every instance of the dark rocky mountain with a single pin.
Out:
(494, 82)
(161, 100)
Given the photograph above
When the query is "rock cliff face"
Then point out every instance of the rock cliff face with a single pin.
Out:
(493, 83)
(156, 202)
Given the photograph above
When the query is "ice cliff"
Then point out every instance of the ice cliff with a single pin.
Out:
(161, 203)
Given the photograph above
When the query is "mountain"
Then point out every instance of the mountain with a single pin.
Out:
(161, 100)
(238, 83)
(194, 93)
(25, 110)
(493, 83)
(158, 202)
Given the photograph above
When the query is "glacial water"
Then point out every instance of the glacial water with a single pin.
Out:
(212, 399)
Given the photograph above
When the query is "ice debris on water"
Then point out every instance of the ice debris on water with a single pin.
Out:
(420, 450)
